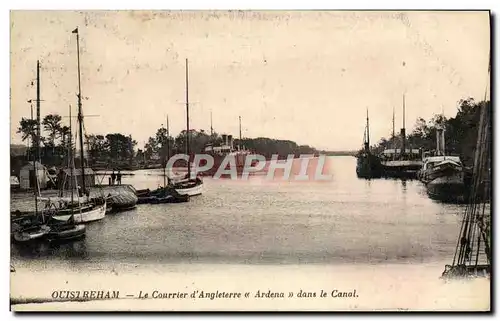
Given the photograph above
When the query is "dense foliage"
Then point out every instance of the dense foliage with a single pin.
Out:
(116, 149)
(460, 132)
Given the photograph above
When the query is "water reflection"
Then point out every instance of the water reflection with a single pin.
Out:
(257, 221)
(69, 249)
(403, 185)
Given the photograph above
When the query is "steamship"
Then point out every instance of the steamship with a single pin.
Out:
(226, 149)
(401, 162)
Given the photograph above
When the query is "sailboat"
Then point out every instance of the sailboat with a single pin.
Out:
(165, 193)
(368, 165)
(27, 230)
(473, 251)
(65, 229)
(188, 186)
(402, 162)
(87, 209)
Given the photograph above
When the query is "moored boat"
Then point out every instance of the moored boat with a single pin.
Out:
(83, 214)
(32, 227)
(367, 164)
(443, 175)
(438, 166)
(188, 186)
(162, 195)
(31, 233)
(398, 164)
(223, 153)
(472, 256)
(65, 230)
(89, 209)
(401, 162)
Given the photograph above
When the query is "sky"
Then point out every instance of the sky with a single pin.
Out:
(306, 76)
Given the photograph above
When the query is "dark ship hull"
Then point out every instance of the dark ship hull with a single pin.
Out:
(368, 166)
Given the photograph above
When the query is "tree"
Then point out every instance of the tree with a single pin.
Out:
(120, 147)
(27, 127)
(52, 124)
(460, 131)
(64, 134)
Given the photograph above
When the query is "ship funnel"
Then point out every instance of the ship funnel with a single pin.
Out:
(403, 140)
(230, 141)
(440, 142)
(224, 139)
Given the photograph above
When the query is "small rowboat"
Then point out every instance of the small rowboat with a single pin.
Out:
(31, 233)
(66, 233)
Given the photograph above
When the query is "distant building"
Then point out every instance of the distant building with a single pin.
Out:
(17, 158)
(27, 178)
(67, 181)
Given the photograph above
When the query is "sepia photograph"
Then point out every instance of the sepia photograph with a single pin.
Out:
(250, 160)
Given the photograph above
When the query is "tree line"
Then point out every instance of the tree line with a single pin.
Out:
(116, 149)
(163, 145)
(460, 132)
(54, 145)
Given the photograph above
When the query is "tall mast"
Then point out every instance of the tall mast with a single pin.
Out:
(187, 121)
(38, 125)
(36, 138)
(367, 129)
(404, 111)
(70, 154)
(403, 130)
(393, 123)
(168, 141)
(80, 114)
(165, 158)
(240, 144)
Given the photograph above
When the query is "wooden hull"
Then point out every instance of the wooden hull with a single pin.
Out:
(31, 234)
(67, 233)
(161, 196)
(88, 215)
(427, 176)
(191, 191)
(189, 187)
(368, 167)
(466, 271)
(448, 189)
(401, 168)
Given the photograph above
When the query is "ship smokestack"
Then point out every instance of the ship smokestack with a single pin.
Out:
(440, 142)
(403, 141)
(224, 139)
(230, 140)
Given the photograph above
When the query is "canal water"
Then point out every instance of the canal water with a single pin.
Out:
(258, 226)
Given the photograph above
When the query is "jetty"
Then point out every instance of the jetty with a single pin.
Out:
(119, 198)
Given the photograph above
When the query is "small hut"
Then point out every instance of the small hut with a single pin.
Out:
(27, 176)
(67, 181)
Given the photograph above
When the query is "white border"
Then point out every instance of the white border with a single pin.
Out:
(185, 4)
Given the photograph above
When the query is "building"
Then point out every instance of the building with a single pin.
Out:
(27, 176)
(18, 157)
(66, 181)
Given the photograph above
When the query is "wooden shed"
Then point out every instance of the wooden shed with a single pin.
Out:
(27, 176)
